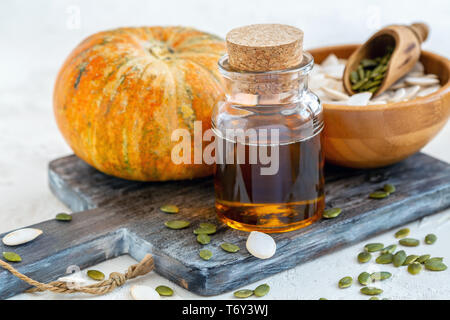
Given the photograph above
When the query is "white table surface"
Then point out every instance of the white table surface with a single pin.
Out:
(38, 35)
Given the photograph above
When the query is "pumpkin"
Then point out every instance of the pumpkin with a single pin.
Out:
(121, 93)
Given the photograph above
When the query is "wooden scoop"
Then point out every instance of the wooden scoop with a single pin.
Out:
(405, 40)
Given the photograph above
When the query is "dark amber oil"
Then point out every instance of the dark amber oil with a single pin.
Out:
(292, 198)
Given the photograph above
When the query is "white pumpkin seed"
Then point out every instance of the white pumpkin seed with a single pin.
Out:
(21, 236)
(334, 94)
(359, 99)
(421, 81)
(261, 245)
(144, 293)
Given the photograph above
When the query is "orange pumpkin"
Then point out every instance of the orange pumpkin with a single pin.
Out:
(121, 93)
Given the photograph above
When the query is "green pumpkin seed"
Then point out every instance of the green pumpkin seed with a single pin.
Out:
(96, 275)
(402, 233)
(332, 213)
(229, 247)
(423, 258)
(430, 238)
(371, 291)
(374, 298)
(205, 254)
(354, 77)
(244, 293)
(345, 282)
(410, 259)
(203, 239)
(364, 278)
(389, 249)
(323, 299)
(373, 247)
(205, 229)
(63, 217)
(438, 259)
(389, 188)
(378, 195)
(364, 257)
(164, 291)
(409, 242)
(12, 257)
(262, 290)
(385, 258)
(399, 258)
(177, 224)
(414, 268)
(169, 208)
(435, 265)
(207, 225)
(380, 276)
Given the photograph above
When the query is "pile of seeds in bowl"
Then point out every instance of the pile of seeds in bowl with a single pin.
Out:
(326, 82)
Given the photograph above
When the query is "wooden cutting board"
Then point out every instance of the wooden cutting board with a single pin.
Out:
(115, 217)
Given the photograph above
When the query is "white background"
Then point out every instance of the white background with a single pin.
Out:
(36, 36)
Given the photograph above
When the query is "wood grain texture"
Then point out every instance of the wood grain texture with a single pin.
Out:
(379, 135)
(123, 217)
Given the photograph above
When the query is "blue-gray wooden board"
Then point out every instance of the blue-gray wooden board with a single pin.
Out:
(115, 217)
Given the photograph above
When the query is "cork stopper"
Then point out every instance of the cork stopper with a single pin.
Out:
(264, 47)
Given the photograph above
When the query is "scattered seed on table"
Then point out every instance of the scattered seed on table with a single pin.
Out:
(402, 233)
(423, 258)
(399, 258)
(244, 293)
(414, 268)
(409, 242)
(364, 278)
(389, 249)
(169, 208)
(261, 290)
(229, 247)
(205, 228)
(12, 256)
(331, 213)
(364, 257)
(435, 265)
(63, 217)
(96, 275)
(371, 291)
(323, 299)
(378, 195)
(345, 282)
(385, 258)
(203, 239)
(430, 238)
(373, 247)
(410, 259)
(205, 254)
(164, 291)
(380, 276)
(374, 298)
(389, 188)
(177, 224)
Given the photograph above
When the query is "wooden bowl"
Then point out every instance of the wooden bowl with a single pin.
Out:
(379, 135)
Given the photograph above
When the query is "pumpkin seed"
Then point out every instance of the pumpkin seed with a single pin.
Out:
(12, 256)
(21, 236)
(378, 195)
(345, 282)
(96, 275)
(229, 247)
(410, 259)
(435, 265)
(389, 188)
(430, 238)
(423, 258)
(399, 258)
(205, 254)
(207, 225)
(205, 229)
(177, 224)
(439, 259)
(371, 291)
(203, 239)
(63, 217)
(385, 258)
(164, 291)
(323, 299)
(409, 242)
(244, 293)
(402, 233)
(364, 278)
(373, 247)
(380, 276)
(389, 249)
(364, 257)
(262, 290)
(414, 268)
(169, 208)
(374, 298)
(332, 213)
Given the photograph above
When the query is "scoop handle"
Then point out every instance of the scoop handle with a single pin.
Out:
(421, 30)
